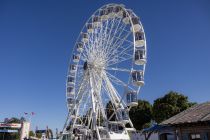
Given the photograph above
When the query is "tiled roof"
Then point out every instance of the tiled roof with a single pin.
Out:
(197, 113)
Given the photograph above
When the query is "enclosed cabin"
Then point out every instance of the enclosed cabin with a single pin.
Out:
(71, 101)
(139, 39)
(71, 80)
(73, 68)
(84, 37)
(122, 116)
(137, 78)
(75, 58)
(70, 91)
(140, 56)
(104, 14)
(132, 99)
(126, 16)
(118, 11)
(111, 13)
(90, 28)
(136, 25)
(96, 21)
(80, 46)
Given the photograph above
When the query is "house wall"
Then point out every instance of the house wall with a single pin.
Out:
(141, 136)
(185, 132)
(203, 131)
(168, 134)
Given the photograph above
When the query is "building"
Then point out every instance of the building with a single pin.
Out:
(8, 128)
(191, 124)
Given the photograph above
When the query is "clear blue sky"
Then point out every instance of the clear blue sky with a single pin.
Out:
(37, 36)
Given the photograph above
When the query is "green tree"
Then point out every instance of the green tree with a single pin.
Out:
(14, 120)
(38, 135)
(169, 105)
(141, 115)
(31, 134)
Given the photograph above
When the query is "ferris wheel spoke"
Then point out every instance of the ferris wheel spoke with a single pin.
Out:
(118, 43)
(116, 92)
(112, 43)
(119, 36)
(82, 93)
(118, 69)
(123, 53)
(85, 106)
(120, 53)
(115, 31)
(81, 88)
(114, 62)
(113, 93)
(111, 98)
(109, 35)
(117, 80)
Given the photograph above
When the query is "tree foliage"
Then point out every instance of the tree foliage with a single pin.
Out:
(170, 105)
(141, 115)
(31, 134)
(14, 120)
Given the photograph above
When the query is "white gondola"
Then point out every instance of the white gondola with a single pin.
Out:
(75, 58)
(140, 57)
(119, 12)
(71, 80)
(90, 28)
(70, 91)
(126, 18)
(80, 46)
(104, 14)
(137, 77)
(132, 99)
(84, 37)
(73, 68)
(136, 26)
(139, 39)
(70, 101)
(111, 13)
(96, 21)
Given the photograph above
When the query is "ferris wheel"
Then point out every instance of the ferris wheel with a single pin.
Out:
(105, 75)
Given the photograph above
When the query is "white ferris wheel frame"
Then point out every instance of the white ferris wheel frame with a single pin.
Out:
(106, 79)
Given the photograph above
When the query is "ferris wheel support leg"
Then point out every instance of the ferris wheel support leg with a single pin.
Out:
(94, 124)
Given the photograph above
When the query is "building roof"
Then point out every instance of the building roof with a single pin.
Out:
(195, 114)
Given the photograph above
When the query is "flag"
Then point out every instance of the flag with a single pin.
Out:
(25, 113)
(32, 113)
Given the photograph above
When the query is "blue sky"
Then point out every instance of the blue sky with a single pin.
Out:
(37, 36)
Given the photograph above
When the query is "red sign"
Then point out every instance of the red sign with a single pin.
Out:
(10, 125)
